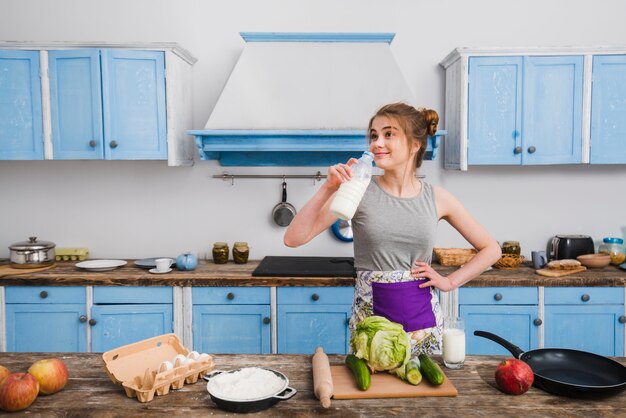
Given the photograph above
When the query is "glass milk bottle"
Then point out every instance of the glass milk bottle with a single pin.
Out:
(350, 192)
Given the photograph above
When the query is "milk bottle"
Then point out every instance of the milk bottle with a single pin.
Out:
(350, 193)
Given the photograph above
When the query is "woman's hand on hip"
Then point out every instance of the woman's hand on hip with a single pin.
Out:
(424, 271)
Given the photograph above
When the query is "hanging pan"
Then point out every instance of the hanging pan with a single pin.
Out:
(283, 212)
(573, 373)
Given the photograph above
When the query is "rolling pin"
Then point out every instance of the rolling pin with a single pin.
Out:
(322, 379)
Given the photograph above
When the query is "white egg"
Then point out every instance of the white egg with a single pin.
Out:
(166, 365)
(187, 361)
(203, 355)
(193, 355)
(180, 358)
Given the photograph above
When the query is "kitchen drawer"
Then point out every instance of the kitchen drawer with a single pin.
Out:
(132, 294)
(498, 296)
(315, 295)
(231, 295)
(583, 295)
(45, 294)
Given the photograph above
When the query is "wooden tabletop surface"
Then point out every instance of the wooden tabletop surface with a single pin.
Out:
(231, 274)
(90, 393)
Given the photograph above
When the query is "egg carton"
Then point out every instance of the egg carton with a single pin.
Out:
(73, 254)
(154, 366)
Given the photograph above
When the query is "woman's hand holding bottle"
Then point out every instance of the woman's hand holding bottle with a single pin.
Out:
(339, 173)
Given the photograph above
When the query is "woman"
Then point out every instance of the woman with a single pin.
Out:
(394, 229)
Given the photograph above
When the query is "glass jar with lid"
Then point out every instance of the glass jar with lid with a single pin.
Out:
(511, 247)
(615, 248)
(220, 253)
(241, 252)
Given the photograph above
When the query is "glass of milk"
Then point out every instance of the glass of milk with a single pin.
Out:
(453, 343)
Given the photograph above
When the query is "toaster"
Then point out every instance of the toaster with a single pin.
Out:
(563, 247)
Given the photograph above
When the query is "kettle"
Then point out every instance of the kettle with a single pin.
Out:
(186, 262)
(563, 247)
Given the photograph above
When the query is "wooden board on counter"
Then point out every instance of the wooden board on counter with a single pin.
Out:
(7, 270)
(560, 273)
(384, 385)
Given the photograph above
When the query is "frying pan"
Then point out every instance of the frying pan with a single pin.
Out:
(283, 212)
(572, 373)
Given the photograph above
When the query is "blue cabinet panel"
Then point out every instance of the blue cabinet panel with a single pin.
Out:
(133, 88)
(76, 104)
(45, 294)
(302, 328)
(498, 296)
(552, 110)
(117, 325)
(315, 295)
(494, 110)
(21, 121)
(46, 327)
(241, 329)
(132, 294)
(231, 295)
(513, 323)
(583, 295)
(608, 110)
(589, 328)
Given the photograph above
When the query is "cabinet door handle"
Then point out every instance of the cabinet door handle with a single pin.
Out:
(517, 150)
(43, 294)
(537, 322)
(93, 143)
(266, 320)
(82, 318)
(315, 296)
(622, 319)
(531, 149)
(92, 322)
(230, 296)
(497, 296)
(113, 144)
(585, 298)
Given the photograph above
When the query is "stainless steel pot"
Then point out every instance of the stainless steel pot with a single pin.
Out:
(32, 254)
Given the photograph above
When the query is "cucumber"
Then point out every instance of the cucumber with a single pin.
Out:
(360, 371)
(431, 370)
(413, 374)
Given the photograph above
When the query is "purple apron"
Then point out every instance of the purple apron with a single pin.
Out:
(404, 303)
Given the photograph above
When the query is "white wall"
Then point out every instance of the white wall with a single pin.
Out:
(144, 209)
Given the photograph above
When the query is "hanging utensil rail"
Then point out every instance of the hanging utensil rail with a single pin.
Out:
(227, 176)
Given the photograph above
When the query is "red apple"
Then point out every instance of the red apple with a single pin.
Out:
(51, 373)
(4, 372)
(18, 391)
(514, 376)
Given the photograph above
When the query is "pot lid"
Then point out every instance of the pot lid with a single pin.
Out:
(32, 244)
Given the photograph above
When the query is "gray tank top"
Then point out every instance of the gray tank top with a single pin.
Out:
(391, 233)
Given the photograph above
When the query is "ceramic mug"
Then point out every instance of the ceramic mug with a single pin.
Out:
(163, 264)
(539, 259)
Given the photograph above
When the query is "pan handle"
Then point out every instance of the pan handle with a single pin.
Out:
(284, 191)
(515, 350)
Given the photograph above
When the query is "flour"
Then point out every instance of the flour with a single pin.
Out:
(246, 384)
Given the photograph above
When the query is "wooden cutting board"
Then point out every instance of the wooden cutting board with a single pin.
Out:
(7, 270)
(559, 273)
(384, 385)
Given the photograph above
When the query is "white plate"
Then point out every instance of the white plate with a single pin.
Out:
(155, 271)
(100, 265)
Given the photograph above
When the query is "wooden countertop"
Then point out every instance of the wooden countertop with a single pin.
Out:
(90, 393)
(210, 274)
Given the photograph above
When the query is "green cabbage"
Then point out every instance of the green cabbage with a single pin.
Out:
(381, 343)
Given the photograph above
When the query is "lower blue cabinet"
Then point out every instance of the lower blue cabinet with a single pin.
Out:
(511, 313)
(231, 320)
(309, 317)
(588, 319)
(46, 319)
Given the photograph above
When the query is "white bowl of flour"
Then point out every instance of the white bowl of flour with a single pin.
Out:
(248, 389)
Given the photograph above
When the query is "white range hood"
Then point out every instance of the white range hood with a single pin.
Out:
(302, 99)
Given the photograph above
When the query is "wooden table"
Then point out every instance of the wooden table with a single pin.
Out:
(90, 393)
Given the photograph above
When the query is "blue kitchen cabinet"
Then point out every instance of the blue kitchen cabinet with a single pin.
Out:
(231, 320)
(588, 319)
(608, 110)
(124, 315)
(108, 104)
(511, 313)
(21, 122)
(46, 319)
(525, 110)
(309, 317)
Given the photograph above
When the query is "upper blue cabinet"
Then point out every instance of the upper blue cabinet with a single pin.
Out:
(110, 103)
(21, 129)
(530, 107)
(608, 110)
